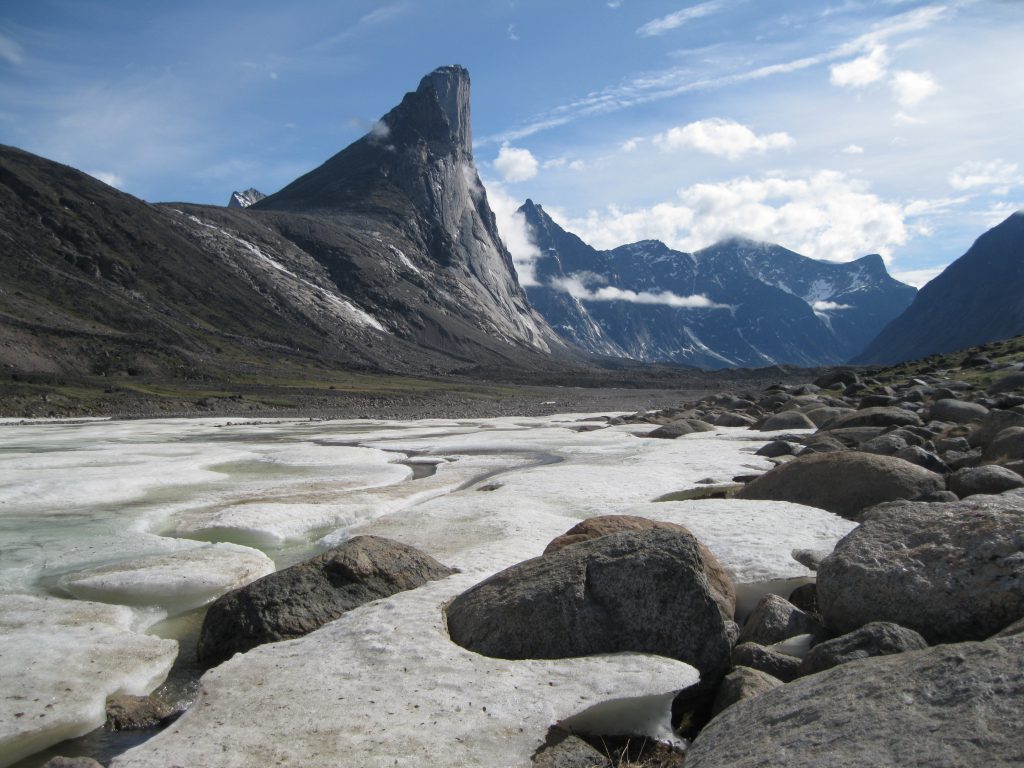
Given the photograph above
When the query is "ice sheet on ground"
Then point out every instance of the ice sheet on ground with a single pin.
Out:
(273, 523)
(60, 660)
(176, 581)
(753, 539)
(277, 480)
(385, 686)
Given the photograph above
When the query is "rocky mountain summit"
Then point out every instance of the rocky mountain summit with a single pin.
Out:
(735, 303)
(977, 298)
(386, 258)
(245, 198)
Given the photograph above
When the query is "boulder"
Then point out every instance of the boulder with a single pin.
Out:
(681, 427)
(826, 414)
(994, 423)
(805, 597)
(785, 420)
(957, 411)
(917, 455)
(837, 378)
(810, 558)
(952, 705)
(843, 483)
(777, 664)
(731, 419)
(297, 600)
(1008, 445)
(741, 684)
(568, 751)
(990, 478)
(127, 713)
(952, 571)
(644, 591)
(777, 448)
(879, 638)
(888, 444)
(819, 443)
(876, 417)
(605, 525)
(776, 619)
(1012, 382)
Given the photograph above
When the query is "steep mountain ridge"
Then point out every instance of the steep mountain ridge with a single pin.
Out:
(757, 304)
(385, 258)
(976, 299)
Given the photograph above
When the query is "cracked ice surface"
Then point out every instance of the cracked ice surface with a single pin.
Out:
(60, 660)
(383, 685)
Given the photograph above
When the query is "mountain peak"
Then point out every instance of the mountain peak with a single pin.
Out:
(245, 198)
(436, 112)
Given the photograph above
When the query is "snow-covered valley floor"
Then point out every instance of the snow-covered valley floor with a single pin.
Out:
(111, 531)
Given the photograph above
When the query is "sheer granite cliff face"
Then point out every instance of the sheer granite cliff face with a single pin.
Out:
(412, 181)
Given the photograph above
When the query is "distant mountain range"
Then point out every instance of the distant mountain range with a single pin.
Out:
(736, 303)
(387, 258)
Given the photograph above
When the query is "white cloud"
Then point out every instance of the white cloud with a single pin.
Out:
(861, 71)
(829, 306)
(918, 277)
(379, 131)
(512, 35)
(998, 174)
(614, 3)
(631, 145)
(724, 138)
(827, 215)
(111, 179)
(577, 165)
(911, 88)
(10, 51)
(853, 149)
(577, 286)
(364, 25)
(515, 164)
(674, 20)
(514, 232)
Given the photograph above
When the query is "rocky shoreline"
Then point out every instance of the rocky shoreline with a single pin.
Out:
(905, 650)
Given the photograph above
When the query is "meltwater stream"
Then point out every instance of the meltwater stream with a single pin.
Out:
(101, 510)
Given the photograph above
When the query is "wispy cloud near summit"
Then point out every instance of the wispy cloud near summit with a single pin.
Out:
(675, 20)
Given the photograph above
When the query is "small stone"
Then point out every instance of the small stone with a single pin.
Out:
(879, 638)
(742, 683)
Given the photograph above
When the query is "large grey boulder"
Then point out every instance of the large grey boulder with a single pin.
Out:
(775, 619)
(886, 416)
(732, 419)
(879, 638)
(951, 571)
(681, 427)
(1008, 445)
(844, 483)
(785, 420)
(775, 663)
(990, 478)
(297, 600)
(957, 411)
(741, 684)
(644, 591)
(952, 705)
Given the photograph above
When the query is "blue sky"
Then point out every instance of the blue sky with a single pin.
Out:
(834, 128)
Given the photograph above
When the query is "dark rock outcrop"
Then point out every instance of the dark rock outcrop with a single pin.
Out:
(776, 619)
(741, 684)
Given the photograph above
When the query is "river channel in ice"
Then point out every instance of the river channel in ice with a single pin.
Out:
(115, 534)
